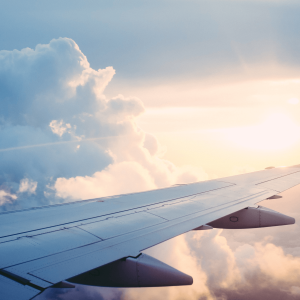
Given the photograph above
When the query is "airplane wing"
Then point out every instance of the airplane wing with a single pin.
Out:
(100, 241)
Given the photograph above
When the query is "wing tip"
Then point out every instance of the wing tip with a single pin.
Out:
(295, 166)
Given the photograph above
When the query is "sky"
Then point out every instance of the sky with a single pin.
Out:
(101, 98)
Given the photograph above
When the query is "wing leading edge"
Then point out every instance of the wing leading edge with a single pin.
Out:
(73, 241)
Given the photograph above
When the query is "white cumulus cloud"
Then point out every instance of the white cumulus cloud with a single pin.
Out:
(27, 185)
(67, 139)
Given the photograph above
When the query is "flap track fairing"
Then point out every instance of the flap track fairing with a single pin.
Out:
(142, 271)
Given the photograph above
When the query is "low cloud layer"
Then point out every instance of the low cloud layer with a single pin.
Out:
(62, 139)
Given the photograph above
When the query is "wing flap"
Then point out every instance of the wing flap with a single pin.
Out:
(283, 183)
(37, 246)
(12, 290)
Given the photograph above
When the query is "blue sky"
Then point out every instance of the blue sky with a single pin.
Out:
(160, 39)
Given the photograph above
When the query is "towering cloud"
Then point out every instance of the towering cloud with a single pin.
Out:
(61, 138)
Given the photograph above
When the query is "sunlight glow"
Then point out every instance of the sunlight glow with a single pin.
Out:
(293, 101)
(277, 132)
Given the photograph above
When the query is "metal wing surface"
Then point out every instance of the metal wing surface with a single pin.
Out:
(42, 247)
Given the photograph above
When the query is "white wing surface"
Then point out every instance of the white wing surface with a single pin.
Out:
(78, 241)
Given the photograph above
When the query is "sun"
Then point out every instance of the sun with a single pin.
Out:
(293, 101)
(278, 131)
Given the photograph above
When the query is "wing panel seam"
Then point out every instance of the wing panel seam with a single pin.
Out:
(169, 224)
(277, 177)
(131, 209)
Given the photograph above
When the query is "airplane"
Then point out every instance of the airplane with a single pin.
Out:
(100, 242)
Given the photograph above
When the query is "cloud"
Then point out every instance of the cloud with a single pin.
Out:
(60, 132)
(119, 178)
(52, 81)
(59, 127)
(6, 197)
(28, 186)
